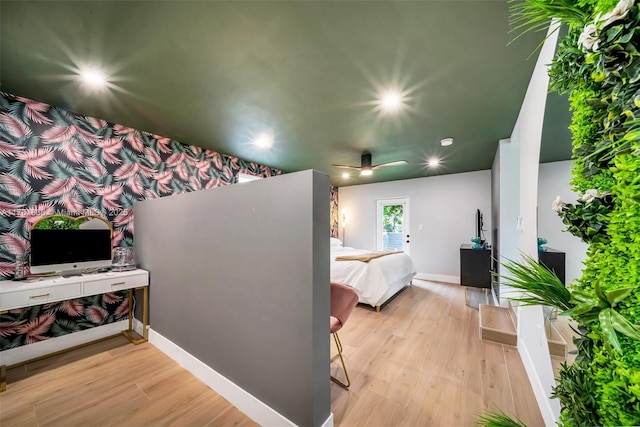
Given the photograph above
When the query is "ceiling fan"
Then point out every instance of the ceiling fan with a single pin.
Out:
(366, 168)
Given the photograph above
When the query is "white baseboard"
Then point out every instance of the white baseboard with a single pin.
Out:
(238, 397)
(549, 408)
(544, 402)
(31, 351)
(329, 421)
(438, 278)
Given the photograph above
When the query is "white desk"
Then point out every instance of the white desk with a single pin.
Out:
(36, 291)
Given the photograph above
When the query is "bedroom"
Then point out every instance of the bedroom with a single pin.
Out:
(141, 163)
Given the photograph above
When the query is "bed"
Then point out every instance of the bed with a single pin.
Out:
(376, 281)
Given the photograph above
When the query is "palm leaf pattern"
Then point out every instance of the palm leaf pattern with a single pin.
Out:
(37, 328)
(334, 217)
(58, 162)
(10, 328)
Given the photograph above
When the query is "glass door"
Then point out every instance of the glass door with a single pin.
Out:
(392, 225)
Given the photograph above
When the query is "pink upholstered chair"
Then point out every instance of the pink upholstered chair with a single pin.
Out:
(343, 299)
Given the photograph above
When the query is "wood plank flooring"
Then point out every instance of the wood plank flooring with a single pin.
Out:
(112, 383)
(419, 362)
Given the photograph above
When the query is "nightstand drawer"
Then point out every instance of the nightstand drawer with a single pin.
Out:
(11, 300)
(112, 284)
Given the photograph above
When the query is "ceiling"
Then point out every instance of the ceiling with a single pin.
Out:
(217, 73)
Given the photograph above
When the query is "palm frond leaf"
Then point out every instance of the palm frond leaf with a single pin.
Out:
(541, 285)
(536, 15)
(499, 419)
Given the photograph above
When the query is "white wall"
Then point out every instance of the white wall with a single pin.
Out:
(444, 205)
(554, 181)
(532, 343)
(508, 163)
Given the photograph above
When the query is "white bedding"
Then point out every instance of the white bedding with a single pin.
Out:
(372, 280)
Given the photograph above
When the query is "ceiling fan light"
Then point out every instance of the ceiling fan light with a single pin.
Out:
(366, 172)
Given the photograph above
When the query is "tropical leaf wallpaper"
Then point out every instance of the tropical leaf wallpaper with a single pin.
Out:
(53, 161)
(334, 218)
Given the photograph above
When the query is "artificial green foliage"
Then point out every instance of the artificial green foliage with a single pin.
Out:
(618, 387)
(535, 15)
(541, 286)
(584, 345)
(58, 223)
(588, 220)
(598, 65)
(602, 309)
(568, 68)
(499, 419)
(576, 391)
(584, 128)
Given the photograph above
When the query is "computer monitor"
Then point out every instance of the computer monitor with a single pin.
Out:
(69, 251)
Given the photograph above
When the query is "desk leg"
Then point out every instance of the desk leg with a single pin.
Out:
(145, 313)
(130, 297)
(131, 335)
(3, 378)
(3, 369)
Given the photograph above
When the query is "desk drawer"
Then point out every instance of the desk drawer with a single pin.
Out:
(38, 296)
(113, 284)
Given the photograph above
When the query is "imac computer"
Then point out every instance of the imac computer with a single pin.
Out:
(69, 251)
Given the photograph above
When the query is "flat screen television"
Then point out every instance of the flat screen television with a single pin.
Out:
(69, 251)
(479, 225)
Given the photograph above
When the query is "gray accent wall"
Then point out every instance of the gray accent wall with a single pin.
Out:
(239, 279)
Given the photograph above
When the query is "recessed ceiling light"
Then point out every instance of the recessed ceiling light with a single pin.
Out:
(446, 142)
(346, 175)
(93, 77)
(263, 140)
(391, 101)
(433, 162)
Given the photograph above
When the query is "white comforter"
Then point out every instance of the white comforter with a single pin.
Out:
(370, 279)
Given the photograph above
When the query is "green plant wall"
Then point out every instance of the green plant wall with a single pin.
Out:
(598, 65)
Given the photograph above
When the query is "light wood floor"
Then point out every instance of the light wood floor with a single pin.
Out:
(112, 383)
(419, 362)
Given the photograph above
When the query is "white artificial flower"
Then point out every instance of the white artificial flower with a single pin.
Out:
(557, 204)
(619, 12)
(589, 37)
(590, 195)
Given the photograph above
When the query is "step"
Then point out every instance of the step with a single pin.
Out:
(496, 324)
(556, 364)
(557, 344)
(562, 326)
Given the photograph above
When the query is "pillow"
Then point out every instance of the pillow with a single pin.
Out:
(335, 242)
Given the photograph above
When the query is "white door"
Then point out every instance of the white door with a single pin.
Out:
(392, 225)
